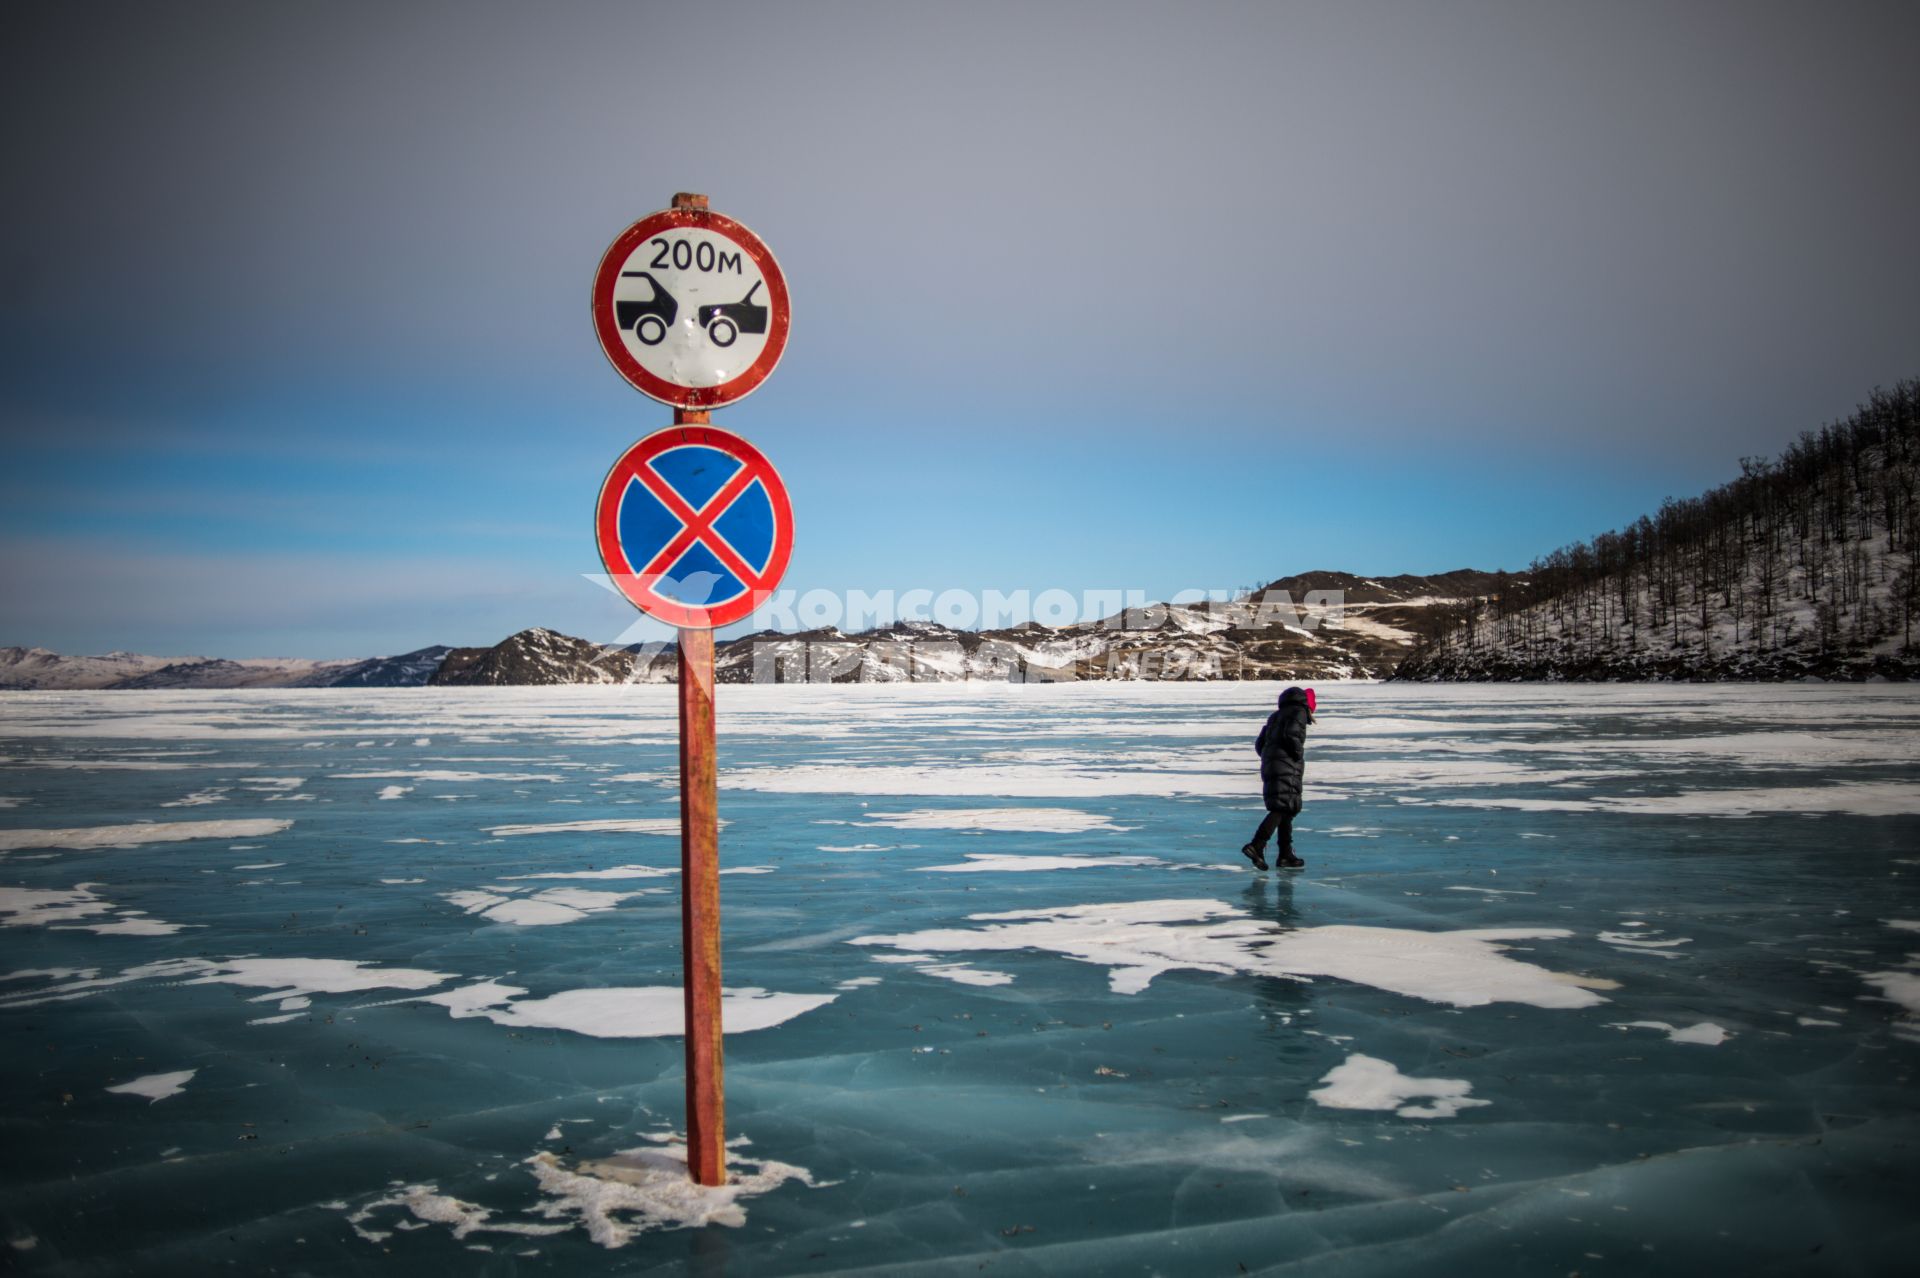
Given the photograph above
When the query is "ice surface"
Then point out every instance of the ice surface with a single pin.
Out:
(1635, 966)
(542, 908)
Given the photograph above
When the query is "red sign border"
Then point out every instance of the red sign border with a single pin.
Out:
(630, 579)
(615, 347)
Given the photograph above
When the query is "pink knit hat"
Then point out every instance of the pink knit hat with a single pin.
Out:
(1309, 700)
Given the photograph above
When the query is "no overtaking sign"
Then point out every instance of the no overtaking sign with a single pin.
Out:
(691, 308)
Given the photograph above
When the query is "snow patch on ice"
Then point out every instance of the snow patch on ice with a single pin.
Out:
(1013, 781)
(1706, 1033)
(1138, 941)
(644, 1011)
(649, 1188)
(77, 908)
(394, 791)
(156, 1087)
(430, 1207)
(1367, 1082)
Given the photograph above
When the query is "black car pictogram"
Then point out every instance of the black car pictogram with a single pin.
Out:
(648, 317)
(725, 321)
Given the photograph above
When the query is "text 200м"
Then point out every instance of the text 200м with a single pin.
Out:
(686, 255)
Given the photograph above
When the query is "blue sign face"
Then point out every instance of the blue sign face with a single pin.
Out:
(695, 526)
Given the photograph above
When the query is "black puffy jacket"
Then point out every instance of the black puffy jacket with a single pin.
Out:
(1283, 752)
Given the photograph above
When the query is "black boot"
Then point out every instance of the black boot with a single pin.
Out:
(1254, 855)
(1286, 860)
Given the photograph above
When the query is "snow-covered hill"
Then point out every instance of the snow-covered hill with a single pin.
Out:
(1804, 566)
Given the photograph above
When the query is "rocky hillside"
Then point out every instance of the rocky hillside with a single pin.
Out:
(539, 656)
(408, 670)
(1238, 640)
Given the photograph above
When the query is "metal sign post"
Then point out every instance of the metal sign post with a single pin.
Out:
(695, 528)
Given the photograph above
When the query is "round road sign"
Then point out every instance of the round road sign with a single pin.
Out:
(694, 526)
(691, 308)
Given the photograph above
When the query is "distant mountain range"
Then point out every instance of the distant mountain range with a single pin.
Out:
(1379, 623)
(41, 668)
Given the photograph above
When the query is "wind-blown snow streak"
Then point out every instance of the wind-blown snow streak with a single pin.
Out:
(441, 774)
(1033, 820)
(617, 825)
(86, 838)
(1141, 940)
(632, 872)
(290, 980)
(983, 781)
(982, 862)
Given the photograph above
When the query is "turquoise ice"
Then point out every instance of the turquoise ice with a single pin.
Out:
(1599, 979)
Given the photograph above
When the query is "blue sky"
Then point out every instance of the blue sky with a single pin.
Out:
(297, 358)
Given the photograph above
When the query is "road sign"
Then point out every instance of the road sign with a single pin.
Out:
(691, 308)
(694, 526)
(696, 529)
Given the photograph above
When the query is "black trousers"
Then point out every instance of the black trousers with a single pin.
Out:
(1276, 822)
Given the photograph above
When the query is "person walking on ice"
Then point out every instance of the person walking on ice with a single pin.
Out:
(1283, 759)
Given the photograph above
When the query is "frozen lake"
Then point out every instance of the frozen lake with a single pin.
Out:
(1602, 979)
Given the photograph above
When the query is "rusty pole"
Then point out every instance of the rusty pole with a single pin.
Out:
(700, 912)
(700, 903)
